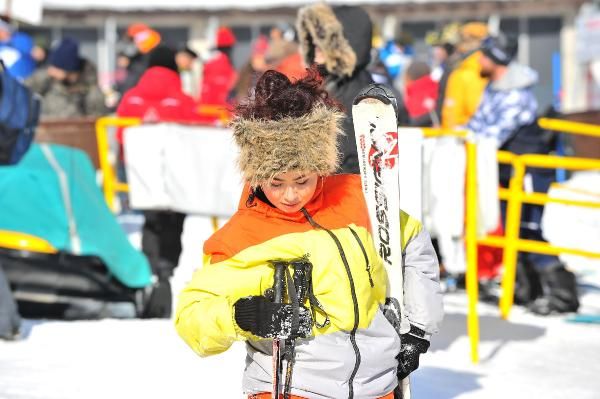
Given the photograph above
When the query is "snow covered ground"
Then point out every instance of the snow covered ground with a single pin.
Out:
(526, 357)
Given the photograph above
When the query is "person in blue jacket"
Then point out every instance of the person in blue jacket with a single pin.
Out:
(15, 52)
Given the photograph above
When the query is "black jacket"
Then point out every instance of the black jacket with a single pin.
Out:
(344, 35)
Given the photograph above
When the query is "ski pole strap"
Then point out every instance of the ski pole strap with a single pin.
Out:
(392, 312)
(315, 306)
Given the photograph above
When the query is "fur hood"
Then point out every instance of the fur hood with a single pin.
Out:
(517, 77)
(342, 33)
(307, 143)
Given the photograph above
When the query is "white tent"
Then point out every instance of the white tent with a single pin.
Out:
(29, 11)
(181, 5)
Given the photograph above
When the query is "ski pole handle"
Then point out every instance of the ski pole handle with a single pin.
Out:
(279, 281)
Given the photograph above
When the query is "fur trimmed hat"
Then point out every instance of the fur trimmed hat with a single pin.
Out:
(317, 25)
(307, 143)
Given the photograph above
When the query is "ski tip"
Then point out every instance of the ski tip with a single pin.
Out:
(378, 92)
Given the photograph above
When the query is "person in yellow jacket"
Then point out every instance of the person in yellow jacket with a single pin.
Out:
(465, 85)
(293, 211)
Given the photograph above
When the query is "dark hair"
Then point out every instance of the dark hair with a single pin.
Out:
(162, 56)
(276, 97)
(188, 51)
(417, 69)
(449, 47)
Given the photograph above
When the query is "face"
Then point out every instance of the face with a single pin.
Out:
(275, 34)
(184, 61)
(439, 55)
(319, 56)
(4, 35)
(487, 66)
(38, 53)
(65, 77)
(123, 61)
(290, 191)
(57, 73)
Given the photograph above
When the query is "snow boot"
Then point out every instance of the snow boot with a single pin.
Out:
(559, 292)
(159, 301)
(10, 320)
(528, 286)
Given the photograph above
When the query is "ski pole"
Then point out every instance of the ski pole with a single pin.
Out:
(301, 282)
(278, 292)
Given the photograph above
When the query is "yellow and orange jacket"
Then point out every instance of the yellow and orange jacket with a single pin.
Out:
(356, 350)
(463, 92)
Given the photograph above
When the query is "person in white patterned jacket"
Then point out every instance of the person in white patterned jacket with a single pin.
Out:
(508, 114)
(508, 101)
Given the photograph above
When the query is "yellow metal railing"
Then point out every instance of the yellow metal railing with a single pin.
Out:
(472, 286)
(515, 197)
(559, 125)
(472, 280)
(110, 181)
(511, 243)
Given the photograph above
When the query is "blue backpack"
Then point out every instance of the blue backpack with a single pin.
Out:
(19, 115)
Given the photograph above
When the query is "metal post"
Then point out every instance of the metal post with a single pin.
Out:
(108, 179)
(513, 225)
(471, 244)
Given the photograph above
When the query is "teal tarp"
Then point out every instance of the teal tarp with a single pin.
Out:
(31, 202)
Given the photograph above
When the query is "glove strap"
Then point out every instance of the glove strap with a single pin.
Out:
(417, 332)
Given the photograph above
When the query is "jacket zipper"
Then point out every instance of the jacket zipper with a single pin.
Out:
(354, 300)
(362, 248)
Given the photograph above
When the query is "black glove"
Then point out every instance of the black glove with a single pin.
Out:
(266, 319)
(411, 347)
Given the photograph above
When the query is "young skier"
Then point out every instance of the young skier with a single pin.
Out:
(294, 210)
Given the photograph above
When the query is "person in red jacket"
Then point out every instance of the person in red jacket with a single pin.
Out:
(421, 93)
(219, 75)
(158, 97)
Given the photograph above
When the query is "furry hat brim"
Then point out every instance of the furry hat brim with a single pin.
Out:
(318, 26)
(306, 144)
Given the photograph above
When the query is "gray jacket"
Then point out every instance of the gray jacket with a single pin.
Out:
(59, 100)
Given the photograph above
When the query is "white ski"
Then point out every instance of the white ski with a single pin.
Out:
(376, 132)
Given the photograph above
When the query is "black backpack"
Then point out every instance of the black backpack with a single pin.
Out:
(528, 139)
(19, 115)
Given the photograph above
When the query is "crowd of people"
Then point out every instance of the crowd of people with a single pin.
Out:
(468, 79)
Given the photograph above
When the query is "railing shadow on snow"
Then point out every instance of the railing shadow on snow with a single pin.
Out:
(493, 329)
(438, 383)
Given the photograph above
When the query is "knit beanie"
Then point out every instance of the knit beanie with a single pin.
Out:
(225, 37)
(65, 55)
(146, 40)
(417, 69)
(501, 49)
